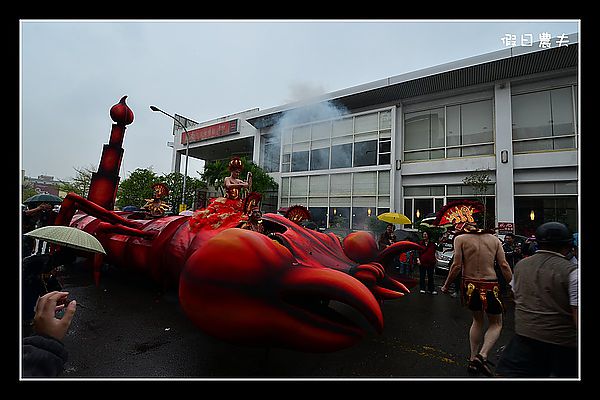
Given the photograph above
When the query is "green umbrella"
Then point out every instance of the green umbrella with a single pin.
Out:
(68, 237)
(44, 198)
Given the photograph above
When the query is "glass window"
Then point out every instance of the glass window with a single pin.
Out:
(339, 217)
(342, 127)
(539, 117)
(285, 187)
(366, 123)
(341, 184)
(285, 162)
(319, 159)
(477, 122)
(301, 134)
(385, 119)
(298, 201)
(440, 133)
(300, 161)
(321, 130)
(422, 208)
(319, 185)
(383, 201)
(384, 182)
(416, 131)
(385, 147)
(299, 186)
(410, 191)
(531, 115)
(453, 126)
(364, 201)
(319, 216)
(271, 152)
(361, 217)
(365, 153)
(286, 136)
(562, 112)
(364, 183)
(341, 156)
(437, 128)
(317, 202)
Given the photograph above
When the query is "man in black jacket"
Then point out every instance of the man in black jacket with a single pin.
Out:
(44, 354)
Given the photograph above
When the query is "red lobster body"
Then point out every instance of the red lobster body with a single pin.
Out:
(239, 285)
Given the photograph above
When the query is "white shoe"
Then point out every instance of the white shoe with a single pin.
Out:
(422, 291)
(434, 292)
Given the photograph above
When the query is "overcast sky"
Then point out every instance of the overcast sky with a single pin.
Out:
(72, 72)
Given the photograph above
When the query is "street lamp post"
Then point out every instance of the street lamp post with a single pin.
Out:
(187, 150)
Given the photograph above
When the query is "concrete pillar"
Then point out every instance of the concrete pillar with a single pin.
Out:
(175, 161)
(396, 200)
(504, 154)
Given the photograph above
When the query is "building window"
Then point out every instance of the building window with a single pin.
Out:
(361, 140)
(448, 132)
(365, 153)
(341, 156)
(419, 201)
(342, 201)
(271, 145)
(544, 120)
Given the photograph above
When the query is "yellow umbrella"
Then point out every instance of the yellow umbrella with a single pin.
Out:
(394, 218)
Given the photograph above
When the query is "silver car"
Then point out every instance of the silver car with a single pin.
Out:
(443, 257)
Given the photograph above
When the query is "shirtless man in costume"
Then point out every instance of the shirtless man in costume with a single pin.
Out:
(474, 254)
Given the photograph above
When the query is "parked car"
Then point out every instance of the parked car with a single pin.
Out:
(443, 257)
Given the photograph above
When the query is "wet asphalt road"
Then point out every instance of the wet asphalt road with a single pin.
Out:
(128, 328)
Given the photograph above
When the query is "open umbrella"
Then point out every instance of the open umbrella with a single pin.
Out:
(44, 198)
(428, 222)
(402, 234)
(394, 218)
(68, 237)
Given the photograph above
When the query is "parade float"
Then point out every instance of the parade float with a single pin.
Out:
(241, 286)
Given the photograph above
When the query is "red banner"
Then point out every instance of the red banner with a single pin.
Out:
(211, 131)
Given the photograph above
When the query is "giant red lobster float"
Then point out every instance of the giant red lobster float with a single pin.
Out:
(239, 285)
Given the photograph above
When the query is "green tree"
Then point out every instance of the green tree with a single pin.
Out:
(174, 181)
(27, 190)
(80, 183)
(480, 182)
(215, 172)
(262, 182)
(136, 188)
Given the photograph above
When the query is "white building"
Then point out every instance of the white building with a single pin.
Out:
(406, 143)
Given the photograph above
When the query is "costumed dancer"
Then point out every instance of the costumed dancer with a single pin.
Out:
(475, 251)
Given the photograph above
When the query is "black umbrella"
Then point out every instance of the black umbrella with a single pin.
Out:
(44, 198)
(402, 234)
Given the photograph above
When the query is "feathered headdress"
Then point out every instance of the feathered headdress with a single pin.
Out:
(458, 213)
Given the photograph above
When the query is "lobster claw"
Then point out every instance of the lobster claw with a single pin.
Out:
(245, 288)
(373, 276)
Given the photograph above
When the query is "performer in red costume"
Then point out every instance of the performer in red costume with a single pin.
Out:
(228, 210)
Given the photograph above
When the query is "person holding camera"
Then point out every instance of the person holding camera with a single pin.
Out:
(44, 354)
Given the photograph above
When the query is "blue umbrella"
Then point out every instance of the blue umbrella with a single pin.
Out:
(44, 198)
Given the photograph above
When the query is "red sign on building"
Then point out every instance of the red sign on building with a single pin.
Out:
(506, 227)
(211, 131)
